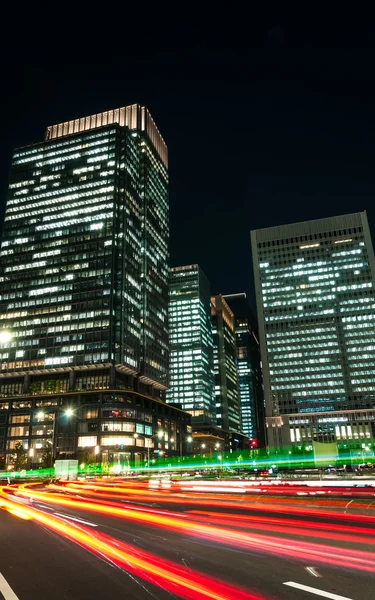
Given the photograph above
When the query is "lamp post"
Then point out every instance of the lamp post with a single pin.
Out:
(159, 434)
(189, 440)
(221, 462)
(137, 435)
(68, 413)
(96, 452)
(41, 416)
(172, 442)
(31, 454)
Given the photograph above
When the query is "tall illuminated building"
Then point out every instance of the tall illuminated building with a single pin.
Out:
(249, 367)
(191, 344)
(84, 258)
(227, 398)
(316, 310)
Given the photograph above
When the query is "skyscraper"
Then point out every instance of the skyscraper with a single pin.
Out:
(191, 344)
(316, 310)
(249, 367)
(225, 366)
(84, 294)
(84, 257)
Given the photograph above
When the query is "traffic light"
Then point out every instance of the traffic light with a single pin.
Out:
(253, 443)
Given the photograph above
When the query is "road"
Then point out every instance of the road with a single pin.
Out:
(123, 540)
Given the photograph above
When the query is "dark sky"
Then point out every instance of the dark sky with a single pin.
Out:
(268, 121)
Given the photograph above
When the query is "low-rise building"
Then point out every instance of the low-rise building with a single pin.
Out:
(110, 427)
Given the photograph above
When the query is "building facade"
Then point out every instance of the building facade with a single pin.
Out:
(84, 259)
(316, 311)
(114, 427)
(249, 368)
(191, 344)
(211, 441)
(227, 396)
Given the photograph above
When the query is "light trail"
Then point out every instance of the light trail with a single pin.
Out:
(218, 501)
(188, 584)
(290, 527)
(300, 550)
(278, 525)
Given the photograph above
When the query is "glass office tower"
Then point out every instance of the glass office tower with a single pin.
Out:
(227, 396)
(191, 344)
(316, 310)
(84, 258)
(249, 367)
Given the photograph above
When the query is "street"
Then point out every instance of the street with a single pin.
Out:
(107, 540)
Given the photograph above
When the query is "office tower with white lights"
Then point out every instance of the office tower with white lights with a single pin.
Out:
(316, 310)
(249, 368)
(84, 271)
(191, 344)
(84, 255)
(227, 398)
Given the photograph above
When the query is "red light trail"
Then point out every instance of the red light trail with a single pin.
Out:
(188, 584)
(222, 529)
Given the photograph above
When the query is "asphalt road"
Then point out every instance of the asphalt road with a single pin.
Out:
(38, 563)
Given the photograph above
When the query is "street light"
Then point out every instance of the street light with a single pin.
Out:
(68, 413)
(220, 458)
(136, 435)
(31, 454)
(40, 415)
(5, 336)
(189, 439)
(217, 446)
(160, 435)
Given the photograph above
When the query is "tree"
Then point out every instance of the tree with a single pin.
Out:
(87, 458)
(52, 386)
(46, 461)
(20, 454)
(49, 385)
(36, 387)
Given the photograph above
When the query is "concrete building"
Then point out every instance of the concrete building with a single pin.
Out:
(249, 368)
(228, 413)
(84, 260)
(316, 311)
(114, 427)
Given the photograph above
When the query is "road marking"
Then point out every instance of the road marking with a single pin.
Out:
(307, 588)
(6, 590)
(312, 571)
(75, 519)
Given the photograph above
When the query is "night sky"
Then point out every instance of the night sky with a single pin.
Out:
(267, 121)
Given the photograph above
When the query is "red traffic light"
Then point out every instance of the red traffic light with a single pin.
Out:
(253, 443)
